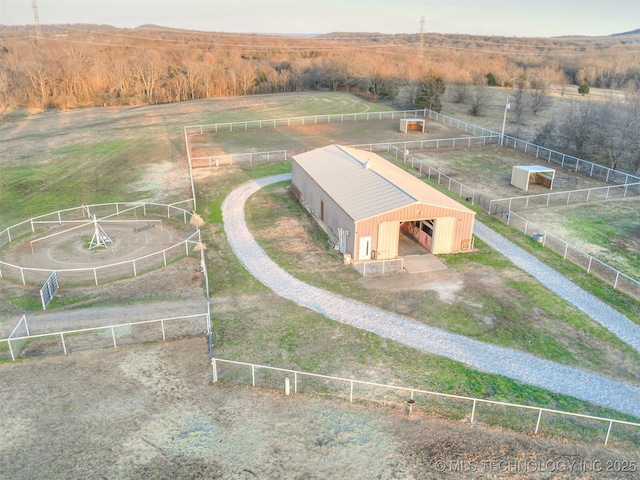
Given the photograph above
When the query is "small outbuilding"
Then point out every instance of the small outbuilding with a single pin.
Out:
(523, 176)
(364, 203)
(409, 124)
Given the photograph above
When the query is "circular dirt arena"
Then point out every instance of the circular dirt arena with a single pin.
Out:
(134, 247)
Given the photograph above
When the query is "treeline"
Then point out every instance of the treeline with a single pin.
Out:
(72, 66)
(87, 65)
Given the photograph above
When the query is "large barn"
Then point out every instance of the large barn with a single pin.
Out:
(365, 203)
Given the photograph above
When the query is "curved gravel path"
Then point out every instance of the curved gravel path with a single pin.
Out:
(519, 366)
(611, 319)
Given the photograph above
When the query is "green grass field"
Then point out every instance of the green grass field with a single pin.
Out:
(260, 327)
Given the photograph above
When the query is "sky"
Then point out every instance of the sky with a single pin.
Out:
(521, 18)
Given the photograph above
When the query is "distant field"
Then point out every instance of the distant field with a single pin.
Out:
(139, 154)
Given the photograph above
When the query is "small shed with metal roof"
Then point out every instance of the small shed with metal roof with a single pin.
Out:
(408, 124)
(364, 203)
(524, 175)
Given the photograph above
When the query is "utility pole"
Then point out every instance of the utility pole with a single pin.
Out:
(504, 120)
(421, 54)
(36, 19)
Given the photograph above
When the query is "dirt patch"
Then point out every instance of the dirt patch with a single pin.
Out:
(151, 412)
(129, 247)
(488, 170)
(174, 290)
(447, 285)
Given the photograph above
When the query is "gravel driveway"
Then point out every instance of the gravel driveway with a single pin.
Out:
(519, 366)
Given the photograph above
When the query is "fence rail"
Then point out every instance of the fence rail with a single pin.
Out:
(124, 268)
(584, 195)
(302, 121)
(69, 338)
(380, 267)
(626, 184)
(351, 384)
(551, 156)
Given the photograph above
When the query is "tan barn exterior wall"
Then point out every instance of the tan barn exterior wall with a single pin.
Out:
(452, 222)
(456, 226)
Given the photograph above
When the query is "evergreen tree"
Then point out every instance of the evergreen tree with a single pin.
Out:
(431, 88)
(583, 88)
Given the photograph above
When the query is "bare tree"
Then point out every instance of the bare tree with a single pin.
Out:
(510, 74)
(479, 97)
(519, 103)
(245, 77)
(149, 70)
(459, 92)
(545, 136)
(576, 129)
(5, 96)
(192, 71)
(540, 80)
(74, 74)
(410, 74)
(120, 78)
(40, 77)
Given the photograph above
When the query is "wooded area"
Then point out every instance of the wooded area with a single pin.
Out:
(72, 66)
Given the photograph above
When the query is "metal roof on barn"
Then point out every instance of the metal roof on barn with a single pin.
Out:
(365, 184)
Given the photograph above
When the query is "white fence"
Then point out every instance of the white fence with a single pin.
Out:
(105, 336)
(346, 387)
(122, 269)
(626, 184)
(302, 121)
(380, 267)
(251, 158)
(577, 256)
(551, 156)
(584, 195)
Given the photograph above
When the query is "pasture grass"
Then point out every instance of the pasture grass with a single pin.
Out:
(519, 314)
(606, 228)
(75, 175)
(615, 298)
(277, 332)
(298, 339)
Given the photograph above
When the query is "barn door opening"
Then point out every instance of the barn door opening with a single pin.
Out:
(421, 231)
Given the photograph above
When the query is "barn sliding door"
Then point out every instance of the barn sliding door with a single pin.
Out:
(388, 237)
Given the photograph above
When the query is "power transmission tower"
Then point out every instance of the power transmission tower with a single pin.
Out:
(421, 54)
(36, 19)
